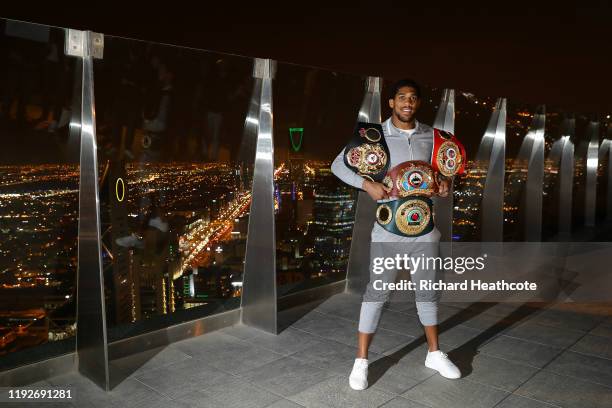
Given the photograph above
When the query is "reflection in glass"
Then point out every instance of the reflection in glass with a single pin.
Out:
(519, 119)
(175, 197)
(39, 176)
(553, 145)
(314, 115)
(604, 179)
(471, 115)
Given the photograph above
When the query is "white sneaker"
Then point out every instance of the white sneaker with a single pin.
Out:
(358, 379)
(438, 360)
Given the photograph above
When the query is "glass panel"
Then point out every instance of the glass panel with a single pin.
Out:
(550, 202)
(315, 112)
(603, 176)
(472, 114)
(174, 195)
(39, 182)
(519, 119)
(580, 173)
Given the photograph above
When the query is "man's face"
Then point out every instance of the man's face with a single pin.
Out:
(405, 104)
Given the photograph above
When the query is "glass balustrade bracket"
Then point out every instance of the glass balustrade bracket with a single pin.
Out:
(490, 161)
(84, 43)
(259, 298)
(445, 120)
(92, 343)
(358, 273)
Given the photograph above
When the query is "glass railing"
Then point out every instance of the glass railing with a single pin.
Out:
(472, 113)
(314, 114)
(176, 167)
(175, 182)
(39, 186)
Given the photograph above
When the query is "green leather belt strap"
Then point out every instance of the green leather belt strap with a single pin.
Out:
(408, 217)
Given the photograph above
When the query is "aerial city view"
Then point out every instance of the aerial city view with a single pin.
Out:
(175, 167)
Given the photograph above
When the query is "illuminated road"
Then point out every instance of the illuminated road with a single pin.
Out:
(197, 244)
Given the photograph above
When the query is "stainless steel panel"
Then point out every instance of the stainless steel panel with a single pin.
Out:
(259, 303)
(592, 160)
(42, 370)
(39, 371)
(370, 107)
(172, 334)
(357, 274)
(92, 348)
(310, 295)
(445, 120)
(491, 159)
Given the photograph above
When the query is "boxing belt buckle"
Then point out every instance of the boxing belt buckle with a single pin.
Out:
(448, 155)
(411, 178)
(367, 152)
(409, 217)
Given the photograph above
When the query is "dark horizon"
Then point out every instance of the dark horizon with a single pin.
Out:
(534, 54)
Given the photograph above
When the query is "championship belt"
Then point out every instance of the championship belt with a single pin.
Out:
(367, 153)
(408, 217)
(448, 154)
(411, 178)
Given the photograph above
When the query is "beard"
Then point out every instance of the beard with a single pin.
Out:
(404, 117)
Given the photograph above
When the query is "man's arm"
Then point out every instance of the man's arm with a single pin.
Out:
(375, 190)
(444, 185)
(344, 173)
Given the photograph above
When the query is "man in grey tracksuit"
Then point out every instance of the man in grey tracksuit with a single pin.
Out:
(407, 140)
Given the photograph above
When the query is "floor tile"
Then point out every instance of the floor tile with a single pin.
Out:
(550, 336)
(400, 402)
(287, 342)
(584, 367)
(566, 392)
(565, 319)
(336, 393)
(228, 353)
(458, 335)
(496, 372)
(439, 392)
(148, 360)
(183, 377)
(603, 330)
(286, 376)
(412, 357)
(521, 351)
(235, 393)
(283, 403)
(330, 355)
(515, 401)
(595, 345)
(241, 331)
(391, 375)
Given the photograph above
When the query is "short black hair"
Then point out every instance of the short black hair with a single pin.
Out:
(402, 83)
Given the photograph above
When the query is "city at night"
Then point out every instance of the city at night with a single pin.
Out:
(197, 220)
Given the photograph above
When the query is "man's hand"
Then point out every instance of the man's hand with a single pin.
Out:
(443, 187)
(375, 190)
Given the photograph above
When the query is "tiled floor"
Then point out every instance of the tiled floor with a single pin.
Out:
(511, 356)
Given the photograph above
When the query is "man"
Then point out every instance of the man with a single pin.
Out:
(407, 140)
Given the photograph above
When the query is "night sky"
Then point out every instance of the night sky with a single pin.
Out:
(528, 52)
